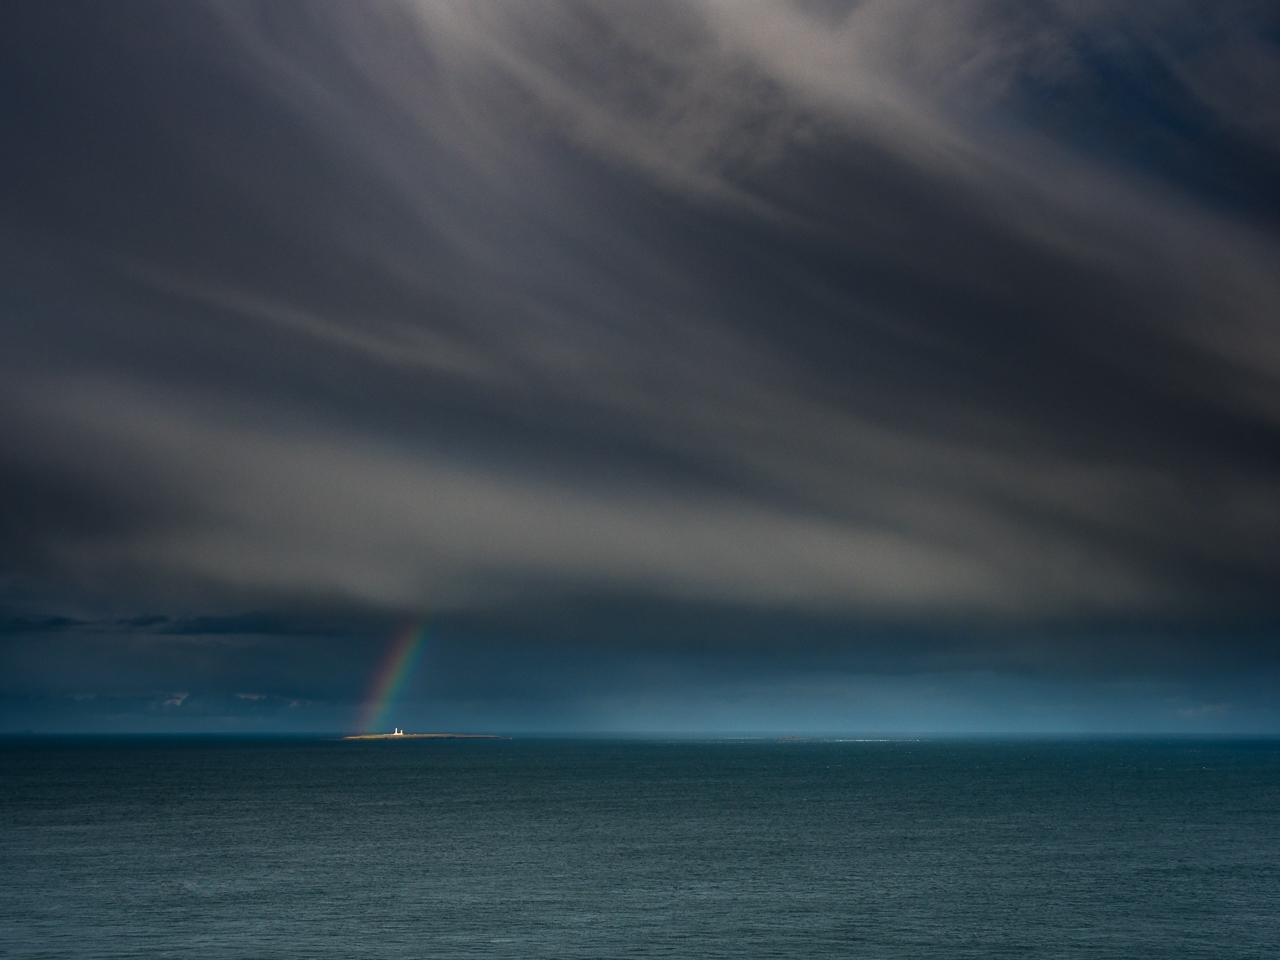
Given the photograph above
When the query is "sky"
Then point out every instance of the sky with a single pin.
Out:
(676, 367)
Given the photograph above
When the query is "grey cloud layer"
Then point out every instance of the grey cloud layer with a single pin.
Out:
(791, 305)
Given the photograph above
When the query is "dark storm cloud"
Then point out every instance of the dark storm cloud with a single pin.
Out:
(953, 318)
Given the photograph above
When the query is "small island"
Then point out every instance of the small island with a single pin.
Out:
(401, 735)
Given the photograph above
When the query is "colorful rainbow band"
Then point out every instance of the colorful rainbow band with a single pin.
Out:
(390, 678)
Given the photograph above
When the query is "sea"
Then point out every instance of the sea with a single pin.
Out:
(542, 848)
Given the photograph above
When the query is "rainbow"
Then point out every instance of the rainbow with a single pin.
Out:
(392, 674)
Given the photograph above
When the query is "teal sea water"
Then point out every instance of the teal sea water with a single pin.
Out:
(557, 849)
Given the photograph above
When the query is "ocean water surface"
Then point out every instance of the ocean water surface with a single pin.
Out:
(542, 848)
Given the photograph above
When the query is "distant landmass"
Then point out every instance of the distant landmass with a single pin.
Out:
(424, 736)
